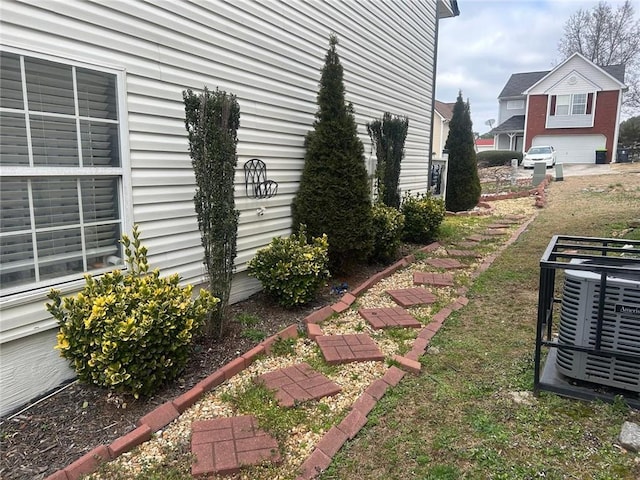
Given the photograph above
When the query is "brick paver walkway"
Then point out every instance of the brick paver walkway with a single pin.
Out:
(467, 245)
(496, 231)
(408, 297)
(224, 445)
(433, 279)
(298, 383)
(478, 238)
(389, 317)
(447, 263)
(348, 348)
(463, 253)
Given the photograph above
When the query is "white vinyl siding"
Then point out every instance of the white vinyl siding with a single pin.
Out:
(269, 54)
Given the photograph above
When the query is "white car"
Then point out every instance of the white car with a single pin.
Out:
(541, 153)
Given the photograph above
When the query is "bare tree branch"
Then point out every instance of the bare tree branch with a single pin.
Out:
(607, 37)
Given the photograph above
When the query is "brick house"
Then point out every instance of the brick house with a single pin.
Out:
(575, 108)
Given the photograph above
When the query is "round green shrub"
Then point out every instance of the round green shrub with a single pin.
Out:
(423, 214)
(388, 226)
(130, 332)
(290, 269)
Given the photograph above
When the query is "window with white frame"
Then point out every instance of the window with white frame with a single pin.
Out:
(571, 104)
(563, 103)
(61, 172)
(515, 104)
(578, 104)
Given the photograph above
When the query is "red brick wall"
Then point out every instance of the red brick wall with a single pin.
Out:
(604, 122)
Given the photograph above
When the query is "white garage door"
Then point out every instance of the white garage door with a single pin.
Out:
(573, 148)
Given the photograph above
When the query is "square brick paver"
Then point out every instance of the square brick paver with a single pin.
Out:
(467, 245)
(498, 225)
(389, 317)
(433, 279)
(446, 263)
(462, 253)
(408, 297)
(224, 445)
(298, 383)
(478, 238)
(348, 348)
(496, 231)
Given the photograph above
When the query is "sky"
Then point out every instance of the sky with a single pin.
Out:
(491, 39)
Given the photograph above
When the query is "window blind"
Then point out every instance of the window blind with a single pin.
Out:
(54, 226)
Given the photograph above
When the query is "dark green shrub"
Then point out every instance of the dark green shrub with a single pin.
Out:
(290, 269)
(388, 135)
(388, 228)
(333, 197)
(130, 332)
(423, 214)
(212, 120)
(497, 158)
(463, 182)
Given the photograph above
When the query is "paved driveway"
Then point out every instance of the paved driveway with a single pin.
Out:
(581, 169)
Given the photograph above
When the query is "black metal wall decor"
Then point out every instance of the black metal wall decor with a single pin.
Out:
(592, 341)
(256, 184)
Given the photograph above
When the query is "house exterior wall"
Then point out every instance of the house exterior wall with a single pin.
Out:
(604, 123)
(267, 53)
(505, 114)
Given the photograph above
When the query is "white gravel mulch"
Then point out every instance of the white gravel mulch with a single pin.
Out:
(354, 378)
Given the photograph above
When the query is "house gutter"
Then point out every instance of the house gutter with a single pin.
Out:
(456, 12)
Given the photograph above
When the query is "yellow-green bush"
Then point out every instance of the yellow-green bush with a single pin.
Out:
(291, 270)
(130, 332)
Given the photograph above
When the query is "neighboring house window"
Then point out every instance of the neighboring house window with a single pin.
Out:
(562, 104)
(61, 179)
(574, 104)
(515, 104)
(579, 104)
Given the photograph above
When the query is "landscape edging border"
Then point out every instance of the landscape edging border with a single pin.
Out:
(318, 461)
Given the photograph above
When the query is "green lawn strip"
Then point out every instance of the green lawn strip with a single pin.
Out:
(458, 418)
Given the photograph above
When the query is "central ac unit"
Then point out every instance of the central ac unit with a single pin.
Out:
(620, 328)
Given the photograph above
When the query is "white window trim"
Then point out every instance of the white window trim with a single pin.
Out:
(16, 296)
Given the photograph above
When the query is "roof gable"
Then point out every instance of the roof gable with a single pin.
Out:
(445, 110)
(519, 83)
(570, 70)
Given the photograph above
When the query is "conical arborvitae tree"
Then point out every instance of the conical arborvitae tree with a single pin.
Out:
(334, 195)
(463, 182)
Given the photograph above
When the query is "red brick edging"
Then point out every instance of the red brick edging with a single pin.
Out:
(333, 440)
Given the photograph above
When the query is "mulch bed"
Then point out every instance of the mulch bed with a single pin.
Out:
(60, 429)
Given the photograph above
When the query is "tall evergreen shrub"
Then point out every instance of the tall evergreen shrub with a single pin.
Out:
(212, 120)
(389, 135)
(333, 197)
(463, 182)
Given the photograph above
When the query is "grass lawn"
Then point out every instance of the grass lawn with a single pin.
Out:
(458, 418)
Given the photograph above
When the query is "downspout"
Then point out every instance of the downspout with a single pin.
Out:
(433, 99)
(456, 12)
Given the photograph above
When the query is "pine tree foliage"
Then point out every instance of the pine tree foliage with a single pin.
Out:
(463, 182)
(212, 120)
(333, 197)
(388, 135)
